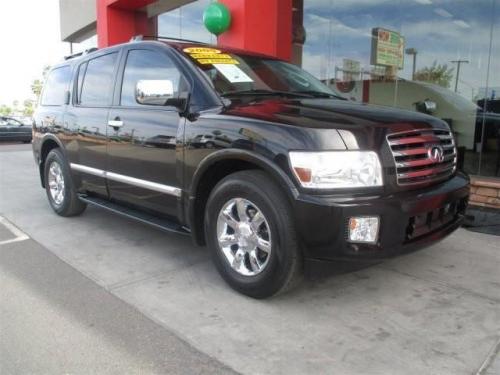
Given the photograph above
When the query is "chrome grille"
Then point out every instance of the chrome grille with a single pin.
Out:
(416, 158)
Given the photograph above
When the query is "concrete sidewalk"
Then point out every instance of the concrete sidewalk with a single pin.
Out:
(436, 311)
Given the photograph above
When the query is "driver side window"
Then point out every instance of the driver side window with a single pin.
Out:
(147, 65)
(5, 121)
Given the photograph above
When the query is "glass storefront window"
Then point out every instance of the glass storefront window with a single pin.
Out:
(186, 22)
(404, 53)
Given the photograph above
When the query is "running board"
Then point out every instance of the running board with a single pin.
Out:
(143, 217)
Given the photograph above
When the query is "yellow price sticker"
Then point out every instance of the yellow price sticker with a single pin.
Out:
(191, 50)
(218, 61)
(210, 56)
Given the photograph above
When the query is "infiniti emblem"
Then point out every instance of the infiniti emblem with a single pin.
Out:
(435, 153)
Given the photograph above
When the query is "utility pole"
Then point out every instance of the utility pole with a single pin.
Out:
(458, 62)
(413, 51)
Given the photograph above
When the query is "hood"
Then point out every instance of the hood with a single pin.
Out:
(328, 114)
(361, 126)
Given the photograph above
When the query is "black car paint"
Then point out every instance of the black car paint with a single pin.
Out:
(15, 131)
(165, 148)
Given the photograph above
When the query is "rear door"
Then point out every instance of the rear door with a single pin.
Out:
(145, 144)
(87, 118)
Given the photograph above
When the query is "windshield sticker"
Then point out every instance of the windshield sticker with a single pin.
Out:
(191, 50)
(210, 56)
(218, 61)
(232, 73)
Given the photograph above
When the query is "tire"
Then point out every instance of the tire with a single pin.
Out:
(66, 203)
(256, 273)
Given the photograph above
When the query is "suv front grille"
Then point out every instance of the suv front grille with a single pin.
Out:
(423, 156)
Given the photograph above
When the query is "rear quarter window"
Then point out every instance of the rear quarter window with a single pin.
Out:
(56, 86)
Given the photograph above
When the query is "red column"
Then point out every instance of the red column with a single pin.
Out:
(263, 26)
(119, 20)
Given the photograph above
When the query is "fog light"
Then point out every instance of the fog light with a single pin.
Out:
(363, 229)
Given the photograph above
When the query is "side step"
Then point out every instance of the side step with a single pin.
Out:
(143, 217)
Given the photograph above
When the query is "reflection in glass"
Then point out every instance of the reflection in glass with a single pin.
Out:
(186, 22)
(339, 49)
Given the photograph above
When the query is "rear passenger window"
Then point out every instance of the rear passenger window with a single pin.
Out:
(146, 65)
(56, 87)
(96, 89)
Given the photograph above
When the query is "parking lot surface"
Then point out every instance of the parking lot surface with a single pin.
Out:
(436, 311)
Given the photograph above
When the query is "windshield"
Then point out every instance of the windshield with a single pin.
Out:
(235, 74)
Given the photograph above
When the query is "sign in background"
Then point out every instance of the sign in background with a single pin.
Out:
(387, 48)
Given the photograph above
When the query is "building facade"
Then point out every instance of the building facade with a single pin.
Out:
(436, 56)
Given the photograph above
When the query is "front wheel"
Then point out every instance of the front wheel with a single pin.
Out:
(251, 234)
(59, 186)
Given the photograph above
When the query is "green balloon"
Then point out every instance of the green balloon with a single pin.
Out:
(217, 18)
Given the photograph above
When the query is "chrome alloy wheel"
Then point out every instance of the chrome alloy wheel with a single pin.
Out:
(244, 236)
(56, 183)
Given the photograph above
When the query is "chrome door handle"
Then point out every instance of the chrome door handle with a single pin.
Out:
(115, 123)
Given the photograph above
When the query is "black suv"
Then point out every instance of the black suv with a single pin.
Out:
(248, 154)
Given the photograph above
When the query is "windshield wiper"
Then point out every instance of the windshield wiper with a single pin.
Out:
(266, 92)
(321, 94)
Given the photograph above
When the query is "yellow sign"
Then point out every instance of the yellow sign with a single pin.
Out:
(191, 50)
(217, 61)
(210, 56)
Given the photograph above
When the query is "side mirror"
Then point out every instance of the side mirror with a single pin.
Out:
(426, 106)
(181, 102)
(154, 92)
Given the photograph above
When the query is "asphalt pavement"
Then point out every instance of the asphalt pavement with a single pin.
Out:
(54, 320)
(103, 294)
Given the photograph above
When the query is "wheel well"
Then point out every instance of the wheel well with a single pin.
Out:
(47, 146)
(208, 180)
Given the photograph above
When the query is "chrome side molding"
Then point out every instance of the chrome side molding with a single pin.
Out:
(166, 189)
(88, 170)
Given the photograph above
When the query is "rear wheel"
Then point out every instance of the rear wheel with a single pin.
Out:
(250, 231)
(59, 186)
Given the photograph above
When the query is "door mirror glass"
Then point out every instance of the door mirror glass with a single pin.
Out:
(154, 91)
(426, 106)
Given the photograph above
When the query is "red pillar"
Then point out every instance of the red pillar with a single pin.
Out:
(120, 20)
(263, 26)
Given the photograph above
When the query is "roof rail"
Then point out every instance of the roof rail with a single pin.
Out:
(138, 38)
(83, 53)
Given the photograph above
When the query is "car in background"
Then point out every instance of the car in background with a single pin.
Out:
(13, 130)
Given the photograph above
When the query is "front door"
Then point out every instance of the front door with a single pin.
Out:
(142, 138)
(87, 121)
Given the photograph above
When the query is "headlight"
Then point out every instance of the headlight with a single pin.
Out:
(336, 169)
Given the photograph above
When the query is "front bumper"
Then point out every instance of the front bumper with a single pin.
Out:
(409, 220)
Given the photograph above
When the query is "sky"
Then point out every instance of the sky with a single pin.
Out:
(30, 39)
